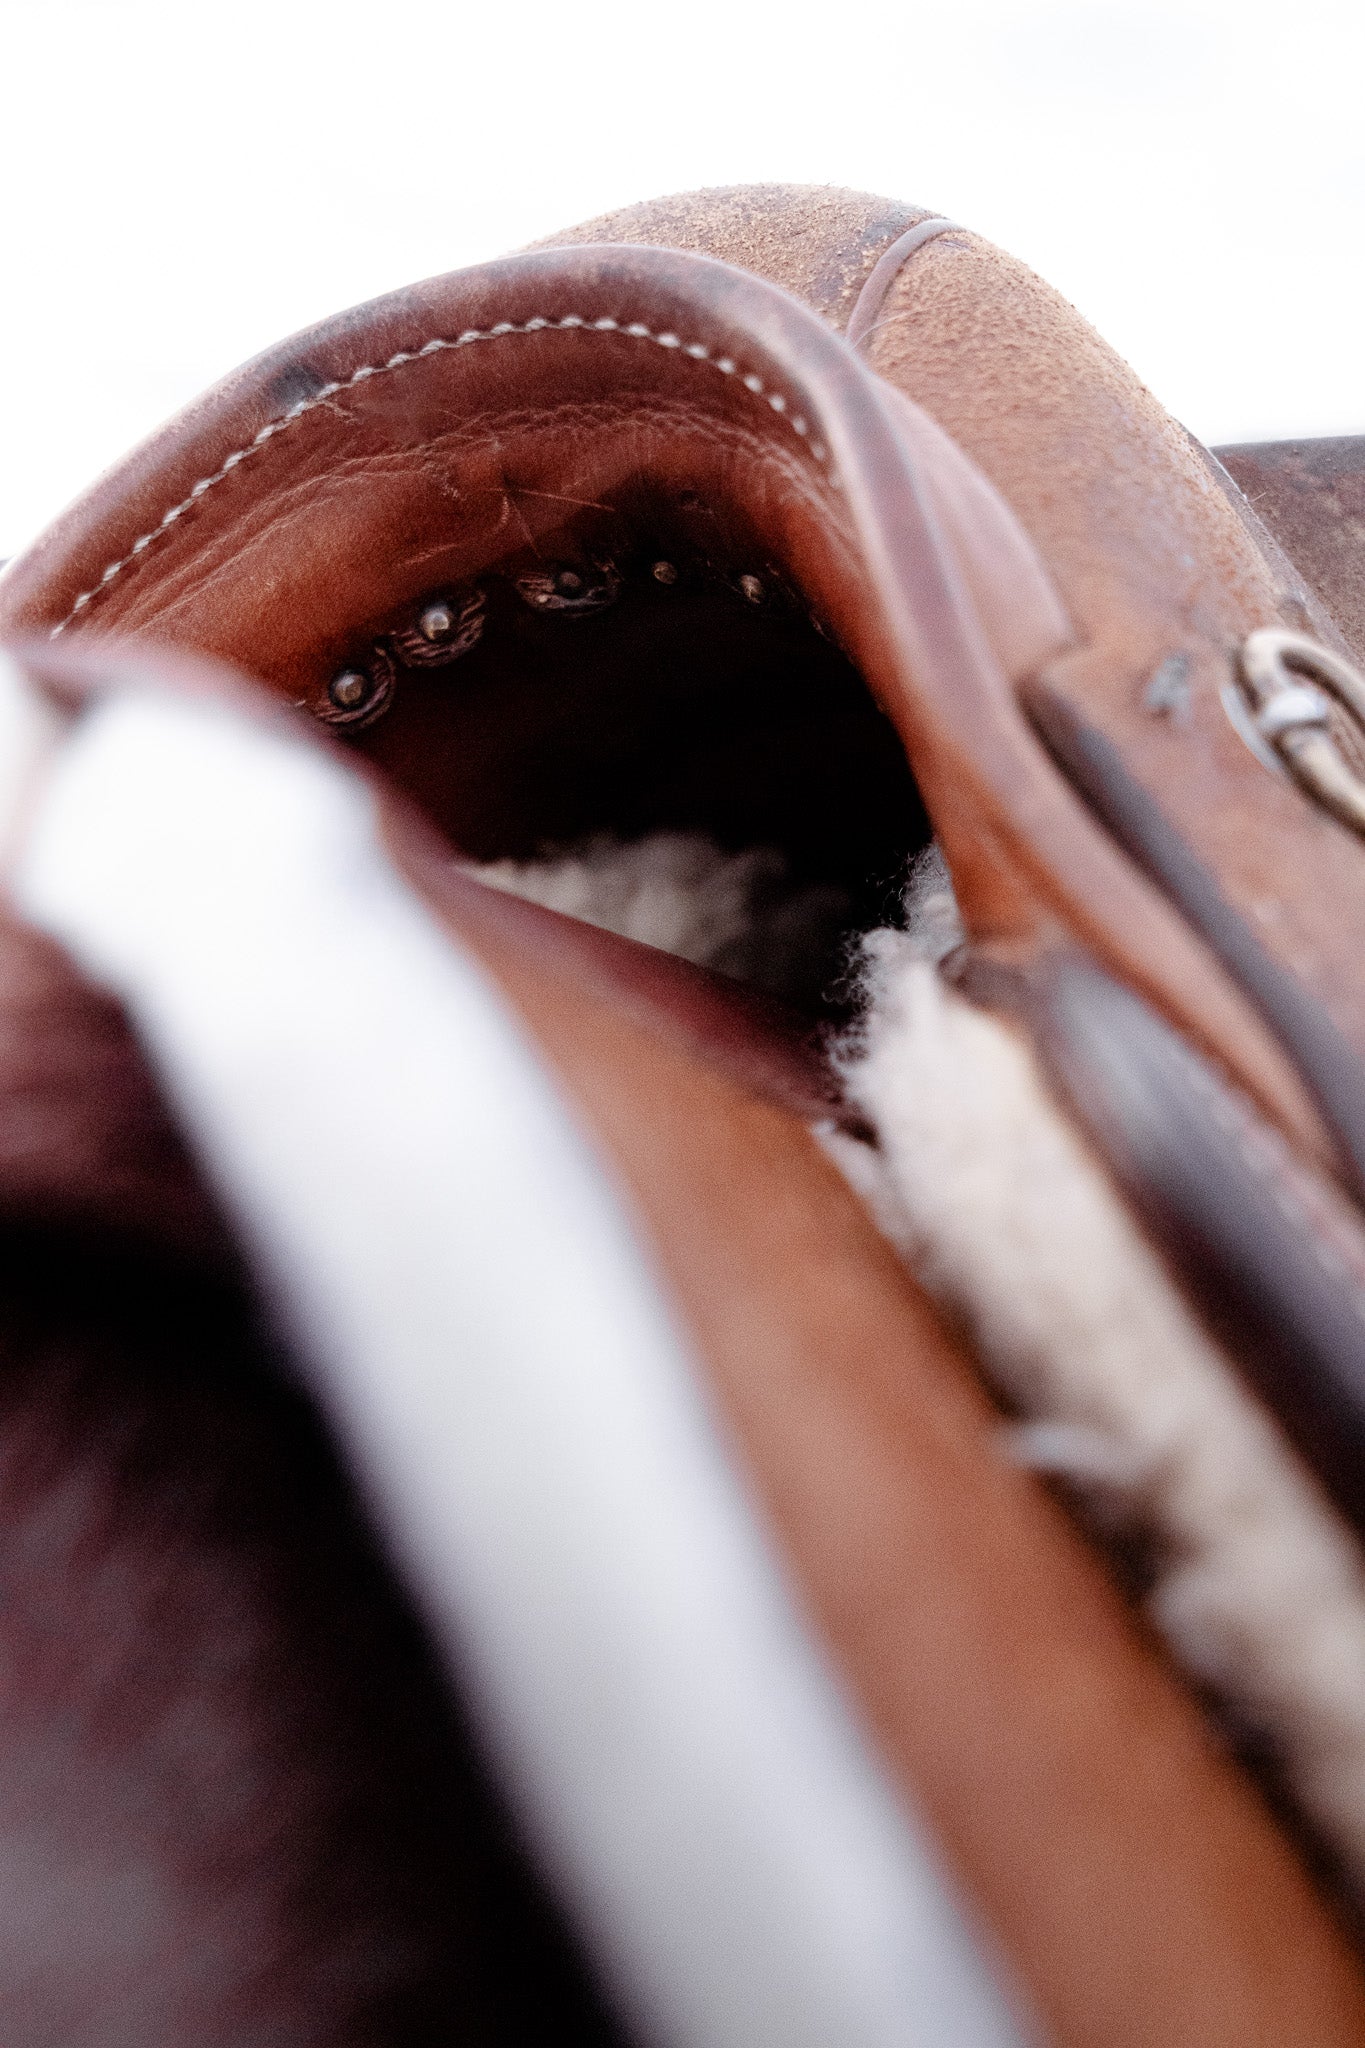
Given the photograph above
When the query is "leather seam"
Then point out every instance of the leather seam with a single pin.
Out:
(635, 330)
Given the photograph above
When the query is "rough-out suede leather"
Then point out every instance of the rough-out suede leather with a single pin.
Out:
(981, 509)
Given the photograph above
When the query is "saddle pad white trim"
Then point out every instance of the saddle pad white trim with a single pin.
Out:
(461, 1281)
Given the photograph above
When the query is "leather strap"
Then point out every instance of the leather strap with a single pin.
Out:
(885, 271)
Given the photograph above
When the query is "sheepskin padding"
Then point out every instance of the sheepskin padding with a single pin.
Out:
(993, 1198)
(999, 1206)
(740, 913)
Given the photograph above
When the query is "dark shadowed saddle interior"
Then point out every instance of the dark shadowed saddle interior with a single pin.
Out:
(650, 690)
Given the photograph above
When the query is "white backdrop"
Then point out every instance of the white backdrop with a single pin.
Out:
(183, 183)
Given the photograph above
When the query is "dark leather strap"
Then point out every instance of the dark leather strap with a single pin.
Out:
(1325, 1062)
(1274, 1263)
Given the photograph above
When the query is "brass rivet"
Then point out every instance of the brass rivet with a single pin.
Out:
(437, 622)
(664, 572)
(349, 689)
(752, 588)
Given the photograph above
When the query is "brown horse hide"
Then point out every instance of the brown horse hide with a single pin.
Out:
(239, 1802)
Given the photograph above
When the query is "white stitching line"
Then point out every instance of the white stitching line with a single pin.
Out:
(634, 330)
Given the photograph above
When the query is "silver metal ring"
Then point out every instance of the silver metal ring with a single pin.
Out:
(1295, 717)
(1291, 710)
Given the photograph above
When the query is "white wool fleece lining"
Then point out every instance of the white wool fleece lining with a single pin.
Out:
(739, 913)
(999, 1206)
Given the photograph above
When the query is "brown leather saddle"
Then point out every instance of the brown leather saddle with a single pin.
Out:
(677, 590)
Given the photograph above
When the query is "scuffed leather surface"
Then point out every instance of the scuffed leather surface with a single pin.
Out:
(1153, 557)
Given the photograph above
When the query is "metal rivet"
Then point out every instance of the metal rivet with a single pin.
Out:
(357, 696)
(349, 689)
(572, 592)
(664, 572)
(752, 588)
(437, 622)
(445, 625)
